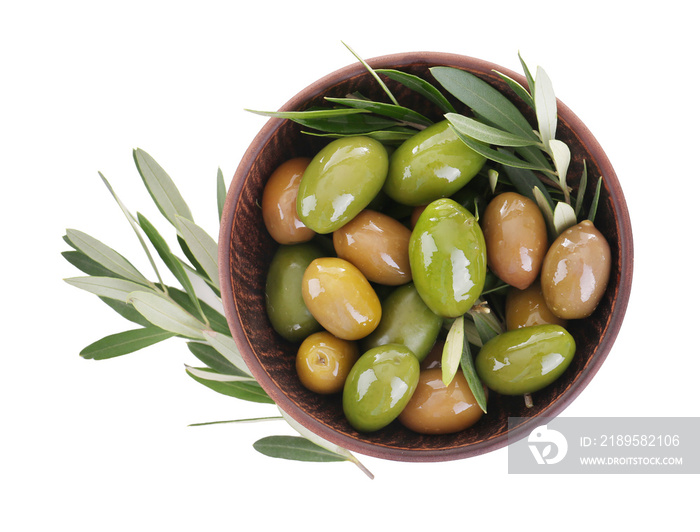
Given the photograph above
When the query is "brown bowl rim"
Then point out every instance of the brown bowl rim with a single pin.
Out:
(615, 318)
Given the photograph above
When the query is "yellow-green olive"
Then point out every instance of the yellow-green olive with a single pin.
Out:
(438, 409)
(516, 238)
(431, 164)
(448, 258)
(525, 360)
(279, 203)
(340, 181)
(340, 297)
(525, 308)
(379, 385)
(575, 271)
(324, 361)
(378, 245)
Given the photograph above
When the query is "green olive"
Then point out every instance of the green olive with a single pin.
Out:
(431, 164)
(340, 297)
(438, 409)
(340, 181)
(283, 297)
(406, 320)
(324, 361)
(516, 238)
(525, 360)
(575, 271)
(447, 252)
(379, 386)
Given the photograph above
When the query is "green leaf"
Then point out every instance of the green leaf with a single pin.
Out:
(166, 314)
(547, 211)
(384, 109)
(105, 256)
(216, 320)
(215, 360)
(518, 89)
(227, 347)
(244, 388)
(484, 100)
(483, 133)
(499, 156)
(220, 192)
(582, 184)
(203, 247)
(161, 187)
(528, 75)
(452, 351)
(86, 265)
(487, 325)
(596, 198)
(125, 342)
(110, 287)
(132, 222)
(466, 362)
(419, 85)
(246, 420)
(295, 448)
(374, 75)
(358, 124)
(561, 155)
(545, 106)
(394, 135)
(171, 261)
(126, 311)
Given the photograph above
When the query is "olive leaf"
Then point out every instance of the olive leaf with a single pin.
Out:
(109, 287)
(487, 134)
(545, 107)
(582, 184)
(396, 112)
(245, 388)
(393, 135)
(245, 420)
(105, 256)
(466, 363)
(373, 74)
(203, 247)
(484, 100)
(295, 448)
(452, 351)
(88, 266)
(518, 89)
(322, 443)
(226, 346)
(166, 314)
(220, 193)
(420, 86)
(125, 342)
(561, 155)
(161, 187)
(596, 198)
(564, 217)
(213, 359)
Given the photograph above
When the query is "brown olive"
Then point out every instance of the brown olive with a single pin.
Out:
(340, 297)
(324, 361)
(575, 271)
(378, 245)
(525, 308)
(279, 203)
(516, 238)
(438, 409)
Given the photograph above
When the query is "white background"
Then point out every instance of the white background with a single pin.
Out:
(105, 446)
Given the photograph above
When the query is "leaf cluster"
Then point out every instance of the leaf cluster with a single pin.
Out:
(161, 311)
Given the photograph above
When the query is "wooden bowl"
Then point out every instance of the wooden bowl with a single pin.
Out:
(246, 249)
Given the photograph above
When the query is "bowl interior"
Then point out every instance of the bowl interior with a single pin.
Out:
(246, 249)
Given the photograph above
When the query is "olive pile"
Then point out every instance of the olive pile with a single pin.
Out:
(368, 307)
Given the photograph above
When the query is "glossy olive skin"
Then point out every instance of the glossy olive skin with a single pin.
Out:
(279, 203)
(516, 238)
(434, 163)
(340, 297)
(283, 296)
(525, 308)
(575, 271)
(448, 258)
(525, 360)
(340, 181)
(323, 362)
(406, 320)
(379, 385)
(378, 245)
(438, 409)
